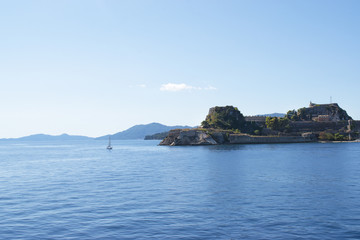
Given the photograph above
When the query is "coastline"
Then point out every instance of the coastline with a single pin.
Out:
(352, 141)
(195, 137)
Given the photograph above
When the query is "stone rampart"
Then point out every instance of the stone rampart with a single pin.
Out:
(246, 139)
(356, 125)
(311, 126)
(255, 119)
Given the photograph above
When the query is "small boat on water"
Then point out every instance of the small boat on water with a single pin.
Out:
(109, 147)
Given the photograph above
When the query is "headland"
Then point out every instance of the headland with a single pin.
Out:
(227, 125)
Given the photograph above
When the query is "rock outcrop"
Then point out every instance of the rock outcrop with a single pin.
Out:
(227, 117)
(188, 137)
(327, 112)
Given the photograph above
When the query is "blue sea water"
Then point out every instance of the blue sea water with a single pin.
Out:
(79, 190)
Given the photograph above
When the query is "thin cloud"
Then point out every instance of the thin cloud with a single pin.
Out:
(176, 87)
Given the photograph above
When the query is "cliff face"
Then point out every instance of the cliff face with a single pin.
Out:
(188, 137)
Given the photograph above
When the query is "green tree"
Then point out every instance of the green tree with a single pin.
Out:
(326, 136)
(292, 115)
(339, 137)
(205, 124)
(278, 124)
(302, 113)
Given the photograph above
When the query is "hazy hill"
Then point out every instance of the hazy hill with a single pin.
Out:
(46, 137)
(140, 131)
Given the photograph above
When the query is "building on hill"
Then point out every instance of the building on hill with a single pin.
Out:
(323, 113)
(322, 118)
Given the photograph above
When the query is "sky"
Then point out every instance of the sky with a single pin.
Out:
(93, 68)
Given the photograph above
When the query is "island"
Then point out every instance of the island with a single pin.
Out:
(227, 125)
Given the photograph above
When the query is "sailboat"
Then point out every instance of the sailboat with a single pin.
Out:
(109, 147)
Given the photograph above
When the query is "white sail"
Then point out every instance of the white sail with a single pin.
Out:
(109, 145)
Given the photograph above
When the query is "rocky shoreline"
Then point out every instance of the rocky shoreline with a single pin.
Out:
(195, 137)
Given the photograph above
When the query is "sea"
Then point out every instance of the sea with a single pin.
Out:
(139, 190)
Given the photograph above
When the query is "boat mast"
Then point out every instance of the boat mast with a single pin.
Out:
(109, 146)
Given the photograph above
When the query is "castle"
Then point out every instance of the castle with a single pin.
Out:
(226, 125)
(316, 118)
(324, 113)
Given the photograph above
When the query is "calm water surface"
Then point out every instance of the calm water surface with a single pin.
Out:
(79, 190)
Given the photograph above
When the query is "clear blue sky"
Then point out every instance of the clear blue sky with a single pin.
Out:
(99, 67)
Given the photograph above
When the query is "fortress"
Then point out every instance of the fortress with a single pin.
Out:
(226, 125)
(316, 118)
(324, 113)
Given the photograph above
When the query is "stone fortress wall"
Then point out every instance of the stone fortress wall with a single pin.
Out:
(317, 126)
(255, 118)
(322, 117)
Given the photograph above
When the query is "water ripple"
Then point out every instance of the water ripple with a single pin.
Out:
(143, 191)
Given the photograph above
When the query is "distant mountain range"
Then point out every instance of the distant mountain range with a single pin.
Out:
(140, 131)
(46, 137)
(135, 132)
